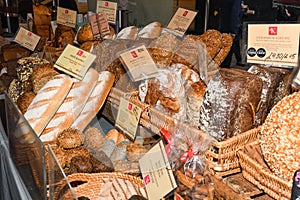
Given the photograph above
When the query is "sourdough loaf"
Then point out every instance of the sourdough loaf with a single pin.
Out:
(47, 101)
(229, 103)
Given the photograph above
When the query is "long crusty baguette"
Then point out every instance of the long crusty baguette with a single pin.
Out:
(95, 101)
(71, 106)
(47, 101)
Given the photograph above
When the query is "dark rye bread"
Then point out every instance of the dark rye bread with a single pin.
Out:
(229, 103)
(275, 87)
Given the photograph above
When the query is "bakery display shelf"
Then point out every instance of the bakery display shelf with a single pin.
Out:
(222, 156)
(263, 178)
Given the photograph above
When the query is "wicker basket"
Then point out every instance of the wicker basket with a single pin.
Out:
(263, 178)
(222, 156)
(118, 185)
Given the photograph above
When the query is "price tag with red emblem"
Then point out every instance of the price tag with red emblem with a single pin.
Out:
(66, 17)
(128, 118)
(109, 8)
(157, 173)
(27, 39)
(181, 20)
(74, 61)
(139, 63)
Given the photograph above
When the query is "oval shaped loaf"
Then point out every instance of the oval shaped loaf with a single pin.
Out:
(95, 101)
(47, 101)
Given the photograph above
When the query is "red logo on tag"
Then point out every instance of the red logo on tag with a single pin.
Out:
(134, 55)
(185, 13)
(130, 106)
(66, 11)
(29, 34)
(273, 30)
(147, 179)
(79, 53)
(106, 3)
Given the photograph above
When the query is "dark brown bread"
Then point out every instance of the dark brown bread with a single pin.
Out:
(275, 87)
(229, 103)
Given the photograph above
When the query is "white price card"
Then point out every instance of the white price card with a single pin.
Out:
(109, 8)
(139, 63)
(128, 118)
(157, 173)
(27, 39)
(74, 61)
(181, 20)
(66, 17)
(273, 44)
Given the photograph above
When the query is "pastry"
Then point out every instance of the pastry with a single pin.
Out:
(69, 139)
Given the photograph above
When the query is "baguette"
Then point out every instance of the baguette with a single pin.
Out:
(95, 101)
(47, 101)
(71, 106)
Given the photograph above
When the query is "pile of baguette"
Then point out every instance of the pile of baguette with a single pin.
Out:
(65, 102)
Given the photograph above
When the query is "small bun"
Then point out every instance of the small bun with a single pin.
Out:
(85, 34)
(113, 135)
(69, 138)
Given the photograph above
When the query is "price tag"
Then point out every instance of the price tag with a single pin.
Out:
(94, 25)
(27, 39)
(66, 17)
(273, 44)
(74, 61)
(109, 8)
(128, 118)
(103, 24)
(157, 173)
(139, 63)
(181, 20)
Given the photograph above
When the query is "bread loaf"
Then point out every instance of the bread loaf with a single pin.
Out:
(128, 33)
(47, 101)
(229, 103)
(272, 78)
(71, 106)
(95, 100)
(279, 137)
(152, 30)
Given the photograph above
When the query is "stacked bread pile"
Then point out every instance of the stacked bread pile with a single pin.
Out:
(52, 102)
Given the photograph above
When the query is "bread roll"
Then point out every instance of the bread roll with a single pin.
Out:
(95, 101)
(113, 135)
(71, 106)
(47, 101)
(129, 33)
(85, 34)
(152, 30)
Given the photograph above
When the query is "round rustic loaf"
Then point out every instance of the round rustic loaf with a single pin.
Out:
(279, 138)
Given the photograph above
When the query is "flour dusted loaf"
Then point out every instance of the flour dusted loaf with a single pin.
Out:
(229, 103)
(152, 30)
(71, 107)
(279, 137)
(95, 101)
(47, 101)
